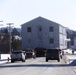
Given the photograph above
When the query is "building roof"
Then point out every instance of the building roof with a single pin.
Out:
(41, 19)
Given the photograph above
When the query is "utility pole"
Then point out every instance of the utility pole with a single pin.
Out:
(10, 36)
(1, 35)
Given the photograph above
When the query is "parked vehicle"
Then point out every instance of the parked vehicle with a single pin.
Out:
(18, 56)
(52, 54)
(40, 52)
(30, 53)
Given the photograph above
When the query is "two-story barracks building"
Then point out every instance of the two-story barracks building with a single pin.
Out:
(43, 33)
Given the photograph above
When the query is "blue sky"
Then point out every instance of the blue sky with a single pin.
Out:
(21, 11)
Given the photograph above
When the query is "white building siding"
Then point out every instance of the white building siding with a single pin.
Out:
(62, 37)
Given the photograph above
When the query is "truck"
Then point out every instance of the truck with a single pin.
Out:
(52, 54)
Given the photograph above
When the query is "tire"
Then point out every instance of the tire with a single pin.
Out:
(34, 57)
(58, 60)
(26, 57)
(12, 61)
(61, 57)
(46, 60)
(23, 60)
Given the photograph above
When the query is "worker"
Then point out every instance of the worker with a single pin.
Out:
(8, 59)
(72, 51)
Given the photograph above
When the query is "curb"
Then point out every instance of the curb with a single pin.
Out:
(3, 61)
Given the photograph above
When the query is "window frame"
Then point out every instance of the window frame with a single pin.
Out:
(51, 41)
(28, 29)
(51, 29)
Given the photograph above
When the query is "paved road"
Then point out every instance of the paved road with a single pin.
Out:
(37, 66)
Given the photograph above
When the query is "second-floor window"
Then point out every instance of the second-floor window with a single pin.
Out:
(51, 29)
(28, 29)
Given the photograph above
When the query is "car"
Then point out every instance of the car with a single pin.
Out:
(52, 54)
(18, 56)
(30, 53)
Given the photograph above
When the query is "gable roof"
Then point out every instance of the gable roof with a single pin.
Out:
(41, 19)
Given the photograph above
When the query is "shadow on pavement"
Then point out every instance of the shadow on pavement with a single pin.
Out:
(37, 65)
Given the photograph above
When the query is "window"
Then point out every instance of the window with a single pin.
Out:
(51, 29)
(51, 40)
(29, 41)
(40, 38)
(40, 29)
(28, 29)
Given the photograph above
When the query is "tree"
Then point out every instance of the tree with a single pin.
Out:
(4, 43)
(15, 32)
(6, 31)
(16, 44)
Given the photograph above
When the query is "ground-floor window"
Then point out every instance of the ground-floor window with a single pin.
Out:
(51, 40)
